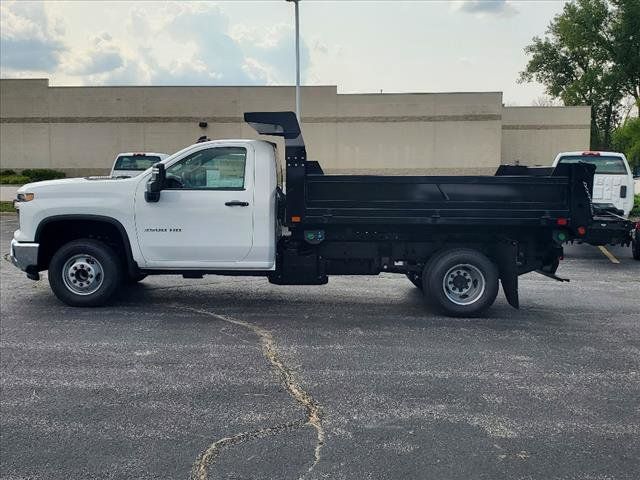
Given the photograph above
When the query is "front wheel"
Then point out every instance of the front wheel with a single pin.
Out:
(461, 282)
(635, 247)
(85, 273)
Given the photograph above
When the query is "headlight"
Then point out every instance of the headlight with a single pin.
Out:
(25, 197)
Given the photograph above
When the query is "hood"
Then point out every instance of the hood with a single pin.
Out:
(69, 183)
(90, 187)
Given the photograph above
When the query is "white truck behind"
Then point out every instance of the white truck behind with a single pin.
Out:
(613, 181)
(131, 164)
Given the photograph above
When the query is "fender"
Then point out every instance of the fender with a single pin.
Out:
(132, 266)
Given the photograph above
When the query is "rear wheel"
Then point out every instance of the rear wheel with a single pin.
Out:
(85, 273)
(461, 282)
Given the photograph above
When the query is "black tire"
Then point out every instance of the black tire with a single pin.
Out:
(100, 267)
(476, 277)
(635, 246)
(416, 279)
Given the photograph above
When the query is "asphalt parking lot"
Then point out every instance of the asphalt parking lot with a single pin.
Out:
(234, 378)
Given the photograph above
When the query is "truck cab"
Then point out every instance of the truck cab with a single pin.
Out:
(216, 209)
(613, 181)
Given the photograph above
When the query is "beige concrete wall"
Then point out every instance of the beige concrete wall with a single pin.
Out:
(81, 129)
(535, 135)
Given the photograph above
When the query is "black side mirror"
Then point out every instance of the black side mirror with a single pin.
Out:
(155, 183)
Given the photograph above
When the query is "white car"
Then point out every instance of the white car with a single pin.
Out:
(613, 181)
(131, 164)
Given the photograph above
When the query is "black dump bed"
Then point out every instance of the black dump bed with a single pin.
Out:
(515, 196)
(449, 200)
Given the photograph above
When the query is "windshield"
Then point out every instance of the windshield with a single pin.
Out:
(135, 162)
(605, 165)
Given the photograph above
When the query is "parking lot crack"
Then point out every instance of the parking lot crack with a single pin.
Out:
(295, 390)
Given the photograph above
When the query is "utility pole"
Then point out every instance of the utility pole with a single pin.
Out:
(297, 10)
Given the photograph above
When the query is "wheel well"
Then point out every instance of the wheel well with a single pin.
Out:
(54, 233)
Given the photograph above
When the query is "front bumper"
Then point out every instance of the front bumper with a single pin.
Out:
(25, 256)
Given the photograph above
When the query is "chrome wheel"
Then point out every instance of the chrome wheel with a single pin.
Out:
(463, 284)
(82, 274)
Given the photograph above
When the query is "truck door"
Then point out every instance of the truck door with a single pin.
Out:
(204, 217)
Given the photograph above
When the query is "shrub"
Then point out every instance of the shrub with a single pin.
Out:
(626, 139)
(14, 179)
(7, 171)
(7, 207)
(39, 174)
(636, 206)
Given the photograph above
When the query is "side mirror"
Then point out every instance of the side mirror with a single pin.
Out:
(155, 183)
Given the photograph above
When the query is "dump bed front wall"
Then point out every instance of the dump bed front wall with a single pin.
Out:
(447, 200)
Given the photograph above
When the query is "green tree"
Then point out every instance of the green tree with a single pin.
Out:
(626, 139)
(590, 56)
(623, 44)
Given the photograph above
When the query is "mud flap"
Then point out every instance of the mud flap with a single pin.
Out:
(506, 256)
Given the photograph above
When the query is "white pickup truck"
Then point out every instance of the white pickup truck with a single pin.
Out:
(613, 181)
(219, 207)
(131, 164)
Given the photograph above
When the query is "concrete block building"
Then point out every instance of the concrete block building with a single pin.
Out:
(79, 130)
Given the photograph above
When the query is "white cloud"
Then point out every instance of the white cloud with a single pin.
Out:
(29, 39)
(217, 57)
(503, 8)
(104, 55)
(320, 47)
(172, 43)
(359, 46)
(468, 61)
(270, 52)
(259, 73)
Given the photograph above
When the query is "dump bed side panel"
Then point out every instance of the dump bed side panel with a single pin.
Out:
(442, 200)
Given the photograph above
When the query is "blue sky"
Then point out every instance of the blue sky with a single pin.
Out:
(360, 46)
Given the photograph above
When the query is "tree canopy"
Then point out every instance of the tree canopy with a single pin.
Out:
(590, 55)
(626, 139)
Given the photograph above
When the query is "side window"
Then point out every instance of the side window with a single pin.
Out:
(214, 168)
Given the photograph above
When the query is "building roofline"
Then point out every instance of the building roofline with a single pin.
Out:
(497, 92)
(547, 106)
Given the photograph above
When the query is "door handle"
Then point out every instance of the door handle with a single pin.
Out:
(236, 203)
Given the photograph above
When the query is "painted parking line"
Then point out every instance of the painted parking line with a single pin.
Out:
(609, 255)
